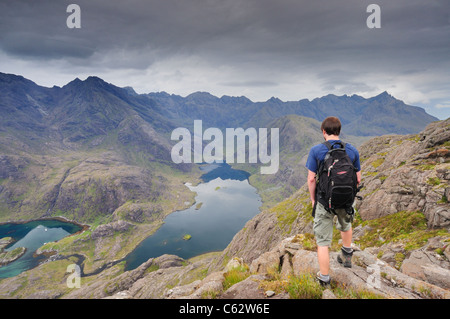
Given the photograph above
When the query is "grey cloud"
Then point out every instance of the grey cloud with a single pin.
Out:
(309, 31)
(250, 84)
(256, 39)
(32, 45)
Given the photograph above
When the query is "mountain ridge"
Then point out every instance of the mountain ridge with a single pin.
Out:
(347, 107)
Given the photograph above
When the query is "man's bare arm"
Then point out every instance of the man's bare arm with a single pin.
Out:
(312, 186)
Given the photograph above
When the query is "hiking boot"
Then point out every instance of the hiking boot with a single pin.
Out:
(345, 258)
(323, 283)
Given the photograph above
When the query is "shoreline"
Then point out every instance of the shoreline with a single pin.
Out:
(84, 227)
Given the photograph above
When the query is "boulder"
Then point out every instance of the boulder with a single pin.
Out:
(235, 262)
(266, 262)
(420, 266)
(245, 289)
(167, 261)
(107, 230)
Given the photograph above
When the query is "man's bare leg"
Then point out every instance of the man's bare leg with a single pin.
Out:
(347, 238)
(324, 260)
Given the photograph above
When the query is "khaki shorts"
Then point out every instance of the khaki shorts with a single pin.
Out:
(323, 224)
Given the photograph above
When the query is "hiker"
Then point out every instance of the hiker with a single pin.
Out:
(324, 213)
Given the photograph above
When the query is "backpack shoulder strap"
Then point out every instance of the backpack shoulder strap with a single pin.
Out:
(328, 145)
(342, 144)
(320, 164)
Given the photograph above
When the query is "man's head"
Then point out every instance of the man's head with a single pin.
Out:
(331, 126)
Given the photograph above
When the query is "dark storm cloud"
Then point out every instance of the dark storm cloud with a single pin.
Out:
(242, 25)
(237, 30)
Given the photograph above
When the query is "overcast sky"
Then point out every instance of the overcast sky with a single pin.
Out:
(290, 49)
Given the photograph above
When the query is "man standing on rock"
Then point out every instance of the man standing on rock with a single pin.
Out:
(323, 218)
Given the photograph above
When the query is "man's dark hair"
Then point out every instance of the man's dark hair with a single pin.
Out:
(331, 125)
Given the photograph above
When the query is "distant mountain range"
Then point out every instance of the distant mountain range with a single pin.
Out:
(379, 115)
(83, 110)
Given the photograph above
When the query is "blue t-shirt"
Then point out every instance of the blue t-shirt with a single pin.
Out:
(318, 152)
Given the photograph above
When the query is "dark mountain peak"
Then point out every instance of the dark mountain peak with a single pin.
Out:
(162, 94)
(201, 94)
(274, 100)
(90, 80)
(304, 101)
(202, 97)
(130, 90)
(94, 79)
(90, 84)
(14, 79)
(74, 83)
(384, 97)
(5, 76)
(235, 100)
(357, 98)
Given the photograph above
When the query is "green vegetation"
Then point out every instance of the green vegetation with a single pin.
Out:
(209, 294)
(235, 275)
(304, 286)
(307, 240)
(409, 228)
(433, 181)
(414, 138)
(377, 162)
(341, 291)
(367, 173)
(290, 209)
(152, 268)
(426, 167)
(443, 200)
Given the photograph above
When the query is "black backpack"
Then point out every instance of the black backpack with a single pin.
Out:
(337, 183)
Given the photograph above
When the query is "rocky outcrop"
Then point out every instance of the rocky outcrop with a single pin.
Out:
(368, 275)
(107, 230)
(134, 283)
(422, 265)
(5, 241)
(408, 173)
(7, 257)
